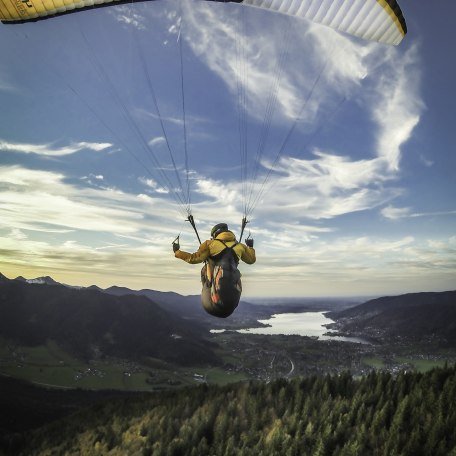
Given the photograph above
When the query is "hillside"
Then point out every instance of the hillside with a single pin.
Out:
(89, 323)
(190, 308)
(412, 316)
(409, 414)
(26, 406)
(183, 307)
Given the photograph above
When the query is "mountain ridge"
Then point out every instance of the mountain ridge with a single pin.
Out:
(187, 307)
(412, 315)
(90, 323)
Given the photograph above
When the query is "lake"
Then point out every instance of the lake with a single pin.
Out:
(309, 324)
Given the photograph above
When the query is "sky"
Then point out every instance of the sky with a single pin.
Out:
(341, 150)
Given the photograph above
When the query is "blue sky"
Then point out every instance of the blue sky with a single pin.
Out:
(360, 202)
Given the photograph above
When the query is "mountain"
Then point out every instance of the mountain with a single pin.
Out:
(189, 307)
(185, 307)
(39, 280)
(420, 316)
(89, 323)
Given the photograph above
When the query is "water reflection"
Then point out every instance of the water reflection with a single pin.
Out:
(309, 324)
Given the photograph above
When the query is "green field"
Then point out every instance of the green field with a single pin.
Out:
(221, 377)
(422, 365)
(49, 365)
(418, 364)
(374, 362)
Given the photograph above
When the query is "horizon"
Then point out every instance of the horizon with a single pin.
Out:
(360, 203)
(267, 300)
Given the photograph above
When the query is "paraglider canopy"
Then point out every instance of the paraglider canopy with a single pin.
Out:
(375, 20)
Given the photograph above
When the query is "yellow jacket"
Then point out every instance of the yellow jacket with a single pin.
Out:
(212, 247)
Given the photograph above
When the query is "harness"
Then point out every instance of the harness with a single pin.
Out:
(222, 276)
(219, 256)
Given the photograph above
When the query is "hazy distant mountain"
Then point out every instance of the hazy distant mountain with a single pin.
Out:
(185, 306)
(413, 315)
(39, 280)
(3, 278)
(189, 307)
(90, 323)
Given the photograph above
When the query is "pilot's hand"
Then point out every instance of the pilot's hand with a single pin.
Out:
(249, 242)
(176, 246)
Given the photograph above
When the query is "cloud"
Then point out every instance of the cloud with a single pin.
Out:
(396, 213)
(383, 81)
(398, 106)
(330, 183)
(307, 255)
(114, 235)
(88, 178)
(248, 66)
(157, 140)
(347, 265)
(348, 261)
(17, 234)
(37, 200)
(426, 162)
(151, 183)
(50, 150)
(128, 16)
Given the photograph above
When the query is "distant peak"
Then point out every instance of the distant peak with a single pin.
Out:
(45, 280)
(3, 278)
(94, 287)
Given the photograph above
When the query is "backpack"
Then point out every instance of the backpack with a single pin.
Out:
(226, 285)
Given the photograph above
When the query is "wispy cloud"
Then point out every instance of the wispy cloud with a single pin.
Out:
(34, 200)
(6, 86)
(370, 264)
(397, 108)
(50, 150)
(128, 16)
(329, 183)
(151, 183)
(156, 141)
(397, 213)
(123, 235)
(297, 249)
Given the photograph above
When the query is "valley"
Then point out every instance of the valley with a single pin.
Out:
(64, 349)
(243, 357)
(120, 339)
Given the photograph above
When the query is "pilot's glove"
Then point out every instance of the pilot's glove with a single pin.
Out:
(249, 242)
(176, 246)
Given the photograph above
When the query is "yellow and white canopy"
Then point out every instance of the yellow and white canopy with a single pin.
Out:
(376, 20)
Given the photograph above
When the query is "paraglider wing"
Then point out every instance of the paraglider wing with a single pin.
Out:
(376, 20)
(18, 11)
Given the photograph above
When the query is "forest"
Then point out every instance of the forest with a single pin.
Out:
(377, 414)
